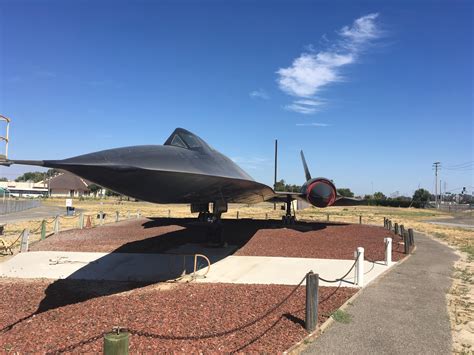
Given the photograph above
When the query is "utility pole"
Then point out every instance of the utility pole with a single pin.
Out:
(436, 166)
(275, 175)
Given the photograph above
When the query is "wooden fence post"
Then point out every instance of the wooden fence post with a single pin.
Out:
(360, 219)
(406, 243)
(312, 295)
(116, 343)
(43, 229)
(396, 228)
(24, 241)
(81, 221)
(412, 236)
(56, 225)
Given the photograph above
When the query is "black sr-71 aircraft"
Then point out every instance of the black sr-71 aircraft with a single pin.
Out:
(187, 170)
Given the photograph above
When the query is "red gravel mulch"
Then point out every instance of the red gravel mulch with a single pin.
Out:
(259, 238)
(332, 242)
(184, 317)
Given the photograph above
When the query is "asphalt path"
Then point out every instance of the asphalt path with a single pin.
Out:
(456, 221)
(32, 214)
(404, 312)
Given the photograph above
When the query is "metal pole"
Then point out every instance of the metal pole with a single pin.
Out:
(360, 267)
(312, 295)
(388, 251)
(275, 173)
(436, 166)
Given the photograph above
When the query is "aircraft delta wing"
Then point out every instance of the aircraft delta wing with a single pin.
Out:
(184, 170)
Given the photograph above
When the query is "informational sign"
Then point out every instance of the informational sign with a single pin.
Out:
(69, 202)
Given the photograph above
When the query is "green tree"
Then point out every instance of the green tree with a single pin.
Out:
(111, 193)
(93, 188)
(345, 192)
(34, 176)
(421, 195)
(280, 185)
(379, 196)
(3, 179)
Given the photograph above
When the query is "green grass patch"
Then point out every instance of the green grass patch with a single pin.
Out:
(341, 316)
(469, 250)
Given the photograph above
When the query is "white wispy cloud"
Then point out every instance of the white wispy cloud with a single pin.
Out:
(259, 94)
(313, 124)
(312, 71)
(251, 162)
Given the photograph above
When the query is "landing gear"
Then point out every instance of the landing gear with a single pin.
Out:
(288, 218)
(213, 220)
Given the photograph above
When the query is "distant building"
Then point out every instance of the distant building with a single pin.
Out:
(25, 188)
(66, 184)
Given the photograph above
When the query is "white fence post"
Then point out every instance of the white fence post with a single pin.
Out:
(360, 267)
(24, 241)
(116, 216)
(81, 221)
(388, 251)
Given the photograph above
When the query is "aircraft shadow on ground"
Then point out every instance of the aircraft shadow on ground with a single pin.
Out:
(78, 287)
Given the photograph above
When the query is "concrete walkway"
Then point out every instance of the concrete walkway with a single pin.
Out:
(403, 312)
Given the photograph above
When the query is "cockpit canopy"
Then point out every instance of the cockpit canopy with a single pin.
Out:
(184, 139)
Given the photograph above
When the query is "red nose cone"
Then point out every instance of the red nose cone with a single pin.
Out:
(321, 193)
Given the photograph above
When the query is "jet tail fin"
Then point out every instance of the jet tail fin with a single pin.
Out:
(305, 166)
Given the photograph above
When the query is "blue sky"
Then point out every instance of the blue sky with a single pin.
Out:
(373, 92)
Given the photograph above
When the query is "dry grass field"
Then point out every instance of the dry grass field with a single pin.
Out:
(460, 296)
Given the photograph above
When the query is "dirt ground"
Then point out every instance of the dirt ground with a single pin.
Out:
(460, 296)
(254, 238)
(71, 316)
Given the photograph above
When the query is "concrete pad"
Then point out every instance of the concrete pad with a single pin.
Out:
(286, 271)
(159, 267)
(96, 266)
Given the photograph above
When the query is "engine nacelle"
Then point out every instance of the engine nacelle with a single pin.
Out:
(320, 192)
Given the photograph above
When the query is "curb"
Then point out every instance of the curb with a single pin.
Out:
(310, 338)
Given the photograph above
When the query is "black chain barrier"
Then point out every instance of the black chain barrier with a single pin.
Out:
(146, 334)
(226, 332)
(343, 277)
(78, 344)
